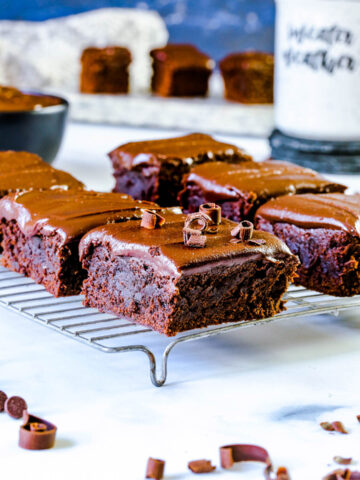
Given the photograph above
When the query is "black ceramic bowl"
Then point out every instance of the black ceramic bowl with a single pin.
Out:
(37, 131)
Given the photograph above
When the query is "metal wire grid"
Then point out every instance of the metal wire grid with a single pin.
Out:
(112, 334)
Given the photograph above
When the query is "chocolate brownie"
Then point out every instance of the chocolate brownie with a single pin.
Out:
(42, 229)
(105, 70)
(155, 279)
(324, 231)
(248, 77)
(21, 171)
(180, 70)
(241, 189)
(153, 170)
(12, 99)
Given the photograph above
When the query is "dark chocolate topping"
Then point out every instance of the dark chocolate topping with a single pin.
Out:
(173, 256)
(187, 149)
(226, 181)
(69, 213)
(182, 55)
(334, 211)
(12, 99)
(24, 171)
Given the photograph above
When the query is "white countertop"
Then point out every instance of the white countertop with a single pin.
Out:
(268, 385)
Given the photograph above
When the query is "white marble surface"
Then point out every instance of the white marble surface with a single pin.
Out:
(269, 385)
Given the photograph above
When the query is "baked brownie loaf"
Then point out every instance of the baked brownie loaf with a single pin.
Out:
(153, 170)
(105, 70)
(248, 77)
(324, 231)
(42, 230)
(12, 99)
(241, 189)
(180, 70)
(153, 278)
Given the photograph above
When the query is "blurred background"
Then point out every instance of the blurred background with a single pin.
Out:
(216, 26)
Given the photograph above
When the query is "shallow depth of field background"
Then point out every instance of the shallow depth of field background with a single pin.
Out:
(216, 26)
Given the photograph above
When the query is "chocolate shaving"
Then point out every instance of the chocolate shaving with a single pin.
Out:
(15, 406)
(201, 466)
(282, 474)
(36, 433)
(213, 211)
(193, 238)
(151, 220)
(257, 241)
(3, 398)
(197, 221)
(243, 231)
(342, 475)
(342, 460)
(155, 469)
(229, 454)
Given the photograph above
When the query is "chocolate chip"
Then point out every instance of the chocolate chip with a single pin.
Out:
(243, 231)
(155, 469)
(213, 211)
(342, 460)
(15, 406)
(194, 238)
(229, 454)
(201, 466)
(3, 398)
(151, 220)
(36, 433)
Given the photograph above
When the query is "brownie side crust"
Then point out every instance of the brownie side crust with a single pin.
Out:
(324, 232)
(152, 278)
(240, 189)
(154, 170)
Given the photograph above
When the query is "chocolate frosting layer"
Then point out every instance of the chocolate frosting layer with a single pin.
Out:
(68, 213)
(222, 182)
(12, 99)
(164, 247)
(332, 211)
(25, 171)
(182, 55)
(187, 149)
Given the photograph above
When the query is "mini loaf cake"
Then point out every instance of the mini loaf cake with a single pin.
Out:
(180, 70)
(248, 77)
(13, 100)
(21, 171)
(153, 170)
(174, 277)
(105, 70)
(324, 231)
(41, 232)
(241, 188)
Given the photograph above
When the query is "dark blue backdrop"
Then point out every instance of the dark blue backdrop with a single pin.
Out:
(216, 26)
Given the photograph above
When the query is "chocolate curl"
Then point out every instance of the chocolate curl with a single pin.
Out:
(197, 221)
(213, 211)
(36, 433)
(229, 454)
(243, 231)
(282, 474)
(201, 466)
(151, 220)
(155, 469)
(342, 460)
(3, 398)
(342, 475)
(193, 238)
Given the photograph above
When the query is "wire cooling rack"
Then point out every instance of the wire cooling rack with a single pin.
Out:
(112, 334)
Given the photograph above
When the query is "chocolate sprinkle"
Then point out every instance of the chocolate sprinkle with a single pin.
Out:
(243, 231)
(229, 454)
(151, 220)
(342, 460)
(15, 406)
(193, 238)
(201, 466)
(155, 469)
(36, 433)
(213, 211)
(3, 398)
